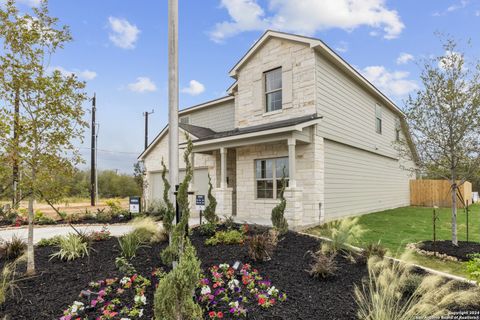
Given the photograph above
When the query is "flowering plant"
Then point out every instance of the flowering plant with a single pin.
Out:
(224, 291)
(101, 235)
(114, 298)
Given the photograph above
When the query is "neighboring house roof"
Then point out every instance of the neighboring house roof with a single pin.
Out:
(260, 127)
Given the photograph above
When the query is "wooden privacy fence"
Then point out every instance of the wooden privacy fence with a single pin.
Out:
(429, 193)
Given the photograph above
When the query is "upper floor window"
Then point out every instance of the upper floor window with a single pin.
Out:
(185, 120)
(398, 130)
(268, 176)
(273, 89)
(378, 119)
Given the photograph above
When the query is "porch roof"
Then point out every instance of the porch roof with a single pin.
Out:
(259, 133)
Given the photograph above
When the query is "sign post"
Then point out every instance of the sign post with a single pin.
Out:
(134, 205)
(200, 204)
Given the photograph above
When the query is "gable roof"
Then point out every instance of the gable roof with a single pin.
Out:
(320, 47)
(196, 131)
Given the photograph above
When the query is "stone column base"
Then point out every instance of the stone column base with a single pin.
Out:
(294, 208)
(224, 202)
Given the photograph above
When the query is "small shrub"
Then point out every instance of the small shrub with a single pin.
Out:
(41, 219)
(226, 237)
(278, 212)
(207, 229)
(410, 284)
(88, 215)
(373, 249)
(45, 242)
(114, 206)
(261, 247)
(209, 212)
(147, 230)
(129, 244)
(101, 235)
(104, 216)
(229, 223)
(14, 248)
(174, 296)
(156, 209)
(63, 215)
(473, 267)
(380, 296)
(342, 233)
(74, 217)
(124, 266)
(323, 266)
(71, 247)
(7, 281)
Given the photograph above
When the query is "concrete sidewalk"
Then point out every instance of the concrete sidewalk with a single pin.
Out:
(45, 232)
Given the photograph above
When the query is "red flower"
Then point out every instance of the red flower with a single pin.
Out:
(220, 314)
(261, 301)
(212, 314)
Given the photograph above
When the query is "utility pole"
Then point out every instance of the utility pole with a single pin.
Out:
(173, 95)
(145, 114)
(96, 162)
(93, 166)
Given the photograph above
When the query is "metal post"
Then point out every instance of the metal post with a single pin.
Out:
(92, 154)
(146, 114)
(466, 212)
(96, 163)
(173, 92)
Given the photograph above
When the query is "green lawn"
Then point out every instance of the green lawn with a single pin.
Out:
(397, 227)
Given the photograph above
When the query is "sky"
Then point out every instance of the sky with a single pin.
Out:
(120, 50)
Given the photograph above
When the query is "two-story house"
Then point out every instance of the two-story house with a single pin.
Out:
(296, 109)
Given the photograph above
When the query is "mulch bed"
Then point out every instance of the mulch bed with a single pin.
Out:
(446, 247)
(115, 220)
(58, 283)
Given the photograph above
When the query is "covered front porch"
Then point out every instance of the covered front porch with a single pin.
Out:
(250, 163)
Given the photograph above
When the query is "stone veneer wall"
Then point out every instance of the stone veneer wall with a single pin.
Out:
(298, 80)
(309, 177)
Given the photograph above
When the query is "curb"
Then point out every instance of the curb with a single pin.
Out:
(429, 270)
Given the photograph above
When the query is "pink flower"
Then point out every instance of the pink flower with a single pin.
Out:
(93, 303)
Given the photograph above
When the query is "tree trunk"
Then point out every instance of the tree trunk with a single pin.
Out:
(30, 253)
(454, 213)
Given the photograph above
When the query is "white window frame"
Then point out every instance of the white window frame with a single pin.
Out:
(378, 119)
(185, 120)
(267, 93)
(274, 177)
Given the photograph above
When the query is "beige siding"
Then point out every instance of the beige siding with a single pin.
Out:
(348, 111)
(357, 182)
(297, 61)
(220, 117)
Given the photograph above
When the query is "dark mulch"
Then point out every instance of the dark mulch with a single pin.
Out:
(58, 283)
(446, 247)
(8, 223)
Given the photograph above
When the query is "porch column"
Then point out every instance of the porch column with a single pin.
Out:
(223, 168)
(292, 183)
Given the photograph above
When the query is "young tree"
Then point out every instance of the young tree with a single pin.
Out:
(169, 213)
(50, 112)
(278, 212)
(444, 118)
(209, 213)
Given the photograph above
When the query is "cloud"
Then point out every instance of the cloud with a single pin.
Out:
(142, 85)
(391, 83)
(342, 47)
(450, 59)
(30, 3)
(307, 17)
(454, 7)
(123, 34)
(81, 74)
(404, 58)
(194, 89)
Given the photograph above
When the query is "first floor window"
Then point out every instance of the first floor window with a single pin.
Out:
(268, 176)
